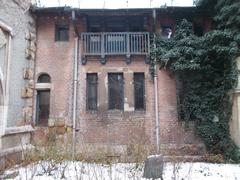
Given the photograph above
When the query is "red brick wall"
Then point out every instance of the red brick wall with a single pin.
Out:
(116, 127)
(103, 126)
(171, 130)
(56, 59)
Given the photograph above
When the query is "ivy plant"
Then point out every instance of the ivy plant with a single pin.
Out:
(205, 70)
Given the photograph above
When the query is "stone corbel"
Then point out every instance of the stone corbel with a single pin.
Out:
(84, 60)
(147, 59)
(128, 59)
(103, 59)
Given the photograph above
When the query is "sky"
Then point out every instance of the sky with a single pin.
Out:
(114, 4)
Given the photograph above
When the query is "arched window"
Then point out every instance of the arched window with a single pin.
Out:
(44, 78)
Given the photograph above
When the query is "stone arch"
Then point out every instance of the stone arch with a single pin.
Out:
(44, 78)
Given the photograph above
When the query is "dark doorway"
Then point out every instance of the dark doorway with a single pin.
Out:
(42, 109)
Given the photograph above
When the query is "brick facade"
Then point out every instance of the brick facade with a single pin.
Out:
(56, 59)
(105, 127)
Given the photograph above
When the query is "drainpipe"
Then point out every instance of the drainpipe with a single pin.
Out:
(75, 83)
(156, 85)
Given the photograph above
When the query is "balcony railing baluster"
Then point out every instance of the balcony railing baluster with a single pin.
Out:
(119, 43)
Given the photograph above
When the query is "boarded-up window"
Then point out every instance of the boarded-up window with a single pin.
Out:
(115, 91)
(62, 33)
(92, 91)
(139, 91)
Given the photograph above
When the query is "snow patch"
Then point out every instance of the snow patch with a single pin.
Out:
(50, 170)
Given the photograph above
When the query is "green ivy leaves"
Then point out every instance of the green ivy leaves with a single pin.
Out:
(205, 69)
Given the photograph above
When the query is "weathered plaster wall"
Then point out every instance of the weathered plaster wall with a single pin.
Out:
(235, 121)
(16, 16)
(17, 64)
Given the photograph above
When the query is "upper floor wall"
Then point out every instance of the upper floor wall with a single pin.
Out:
(104, 32)
(130, 20)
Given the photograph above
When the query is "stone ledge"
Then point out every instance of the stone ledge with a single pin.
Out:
(178, 159)
(174, 145)
(183, 149)
(43, 86)
(17, 149)
(236, 91)
(17, 130)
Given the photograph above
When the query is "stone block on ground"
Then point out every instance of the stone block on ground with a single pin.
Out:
(153, 168)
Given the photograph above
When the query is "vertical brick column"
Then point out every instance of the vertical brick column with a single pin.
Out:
(103, 91)
(128, 91)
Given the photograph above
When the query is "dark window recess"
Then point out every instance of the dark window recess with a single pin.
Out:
(166, 32)
(115, 24)
(62, 33)
(139, 91)
(198, 30)
(96, 28)
(92, 91)
(115, 27)
(44, 78)
(115, 91)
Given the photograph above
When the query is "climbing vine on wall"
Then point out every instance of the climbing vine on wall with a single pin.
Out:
(205, 70)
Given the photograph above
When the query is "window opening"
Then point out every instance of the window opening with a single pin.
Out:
(139, 91)
(92, 91)
(62, 33)
(116, 91)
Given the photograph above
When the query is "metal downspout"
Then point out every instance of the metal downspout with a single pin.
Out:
(75, 83)
(156, 86)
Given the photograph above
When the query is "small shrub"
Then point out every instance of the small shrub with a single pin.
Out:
(215, 158)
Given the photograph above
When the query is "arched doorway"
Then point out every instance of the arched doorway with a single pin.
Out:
(43, 100)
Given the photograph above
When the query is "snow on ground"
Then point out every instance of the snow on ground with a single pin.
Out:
(49, 170)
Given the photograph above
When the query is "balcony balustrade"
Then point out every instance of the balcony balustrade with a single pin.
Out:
(115, 43)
